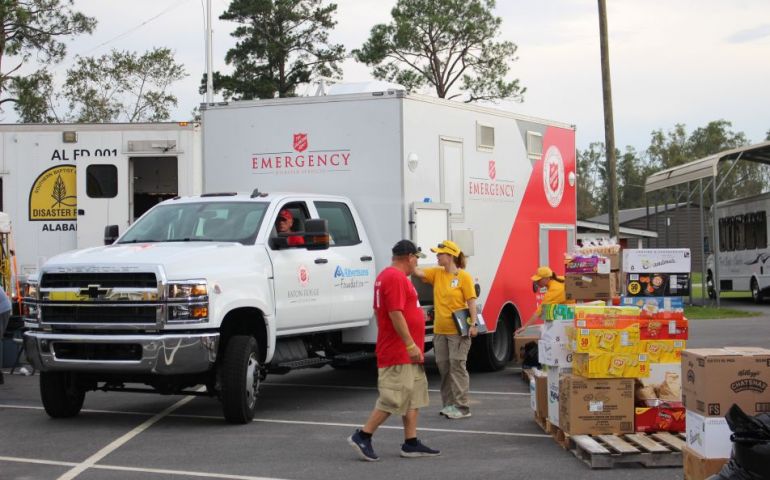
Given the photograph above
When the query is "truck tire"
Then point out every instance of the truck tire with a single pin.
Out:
(710, 286)
(240, 379)
(757, 295)
(61, 396)
(491, 352)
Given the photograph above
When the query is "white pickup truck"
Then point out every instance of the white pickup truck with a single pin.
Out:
(191, 294)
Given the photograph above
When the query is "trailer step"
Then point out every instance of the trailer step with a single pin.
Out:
(315, 362)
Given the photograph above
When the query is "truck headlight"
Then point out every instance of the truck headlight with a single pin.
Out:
(30, 291)
(188, 302)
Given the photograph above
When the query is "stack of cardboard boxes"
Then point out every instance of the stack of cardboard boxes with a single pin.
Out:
(715, 379)
(596, 356)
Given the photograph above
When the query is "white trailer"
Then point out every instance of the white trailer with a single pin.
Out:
(62, 183)
(499, 184)
(743, 248)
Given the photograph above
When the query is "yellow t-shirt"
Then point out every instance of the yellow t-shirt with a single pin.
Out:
(451, 291)
(554, 294)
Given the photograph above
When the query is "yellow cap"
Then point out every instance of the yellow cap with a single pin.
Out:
(447, 246)
(542, 272)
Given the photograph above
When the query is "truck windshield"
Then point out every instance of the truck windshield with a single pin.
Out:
(199, 222)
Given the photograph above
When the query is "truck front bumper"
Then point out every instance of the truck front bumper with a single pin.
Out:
(161, 354)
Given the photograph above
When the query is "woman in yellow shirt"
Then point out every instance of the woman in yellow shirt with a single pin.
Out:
(452, 290)
(552, 286)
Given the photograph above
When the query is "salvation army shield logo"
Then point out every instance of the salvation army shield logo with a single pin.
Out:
(553, 176)
(303, 275)
(300, 142)
(492, 170)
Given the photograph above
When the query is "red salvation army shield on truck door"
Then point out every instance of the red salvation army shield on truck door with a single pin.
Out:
(553, 176)
(300, 142)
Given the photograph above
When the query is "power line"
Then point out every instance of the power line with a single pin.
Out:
(131, 30)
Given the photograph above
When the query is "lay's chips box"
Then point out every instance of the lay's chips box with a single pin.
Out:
(663, 351)
(607, 340)
(611, 365)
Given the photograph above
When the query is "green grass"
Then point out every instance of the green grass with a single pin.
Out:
(696, 290)
(700, 313)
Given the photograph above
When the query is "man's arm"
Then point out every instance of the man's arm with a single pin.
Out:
(399, 324)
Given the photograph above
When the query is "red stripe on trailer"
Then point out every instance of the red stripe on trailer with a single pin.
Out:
(519, 261)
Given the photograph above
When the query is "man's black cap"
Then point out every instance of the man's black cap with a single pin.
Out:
(406, 247)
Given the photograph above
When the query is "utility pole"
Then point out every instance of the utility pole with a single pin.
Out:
(609, 129)
(209, 59)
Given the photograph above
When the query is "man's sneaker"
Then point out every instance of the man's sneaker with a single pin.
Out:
(457, 413)
(418, 450)
(447, 410)
(363, 446)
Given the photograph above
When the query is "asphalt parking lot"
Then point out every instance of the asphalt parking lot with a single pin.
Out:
(303, 420)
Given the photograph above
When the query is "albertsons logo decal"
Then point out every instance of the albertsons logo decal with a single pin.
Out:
(350, 277)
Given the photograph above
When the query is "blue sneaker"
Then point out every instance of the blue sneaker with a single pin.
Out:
(363, 446)
(418, 450)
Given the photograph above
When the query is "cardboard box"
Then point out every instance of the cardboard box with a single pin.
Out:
(666, 417)
(557, 311)
(605, 313)
(715, 378)
(594, 286)
(554, 374)
(554, 354)
(663, 351)
(666, 389)
(656, 284)
(519, 342)
(541, 393)
(664, 329)
(611, 365)
(596, 406)
(608, 340)
(558, 331)
(709, 437)
(657, 260)
(588, 264)
(652, 305)
(697, 467)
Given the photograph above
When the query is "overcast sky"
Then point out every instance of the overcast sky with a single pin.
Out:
(682, 61)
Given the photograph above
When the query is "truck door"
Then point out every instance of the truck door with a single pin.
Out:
(102, 190)
(302, 279)
(352, 265)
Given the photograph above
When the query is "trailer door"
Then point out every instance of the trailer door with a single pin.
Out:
(102, 190)
(555, 240)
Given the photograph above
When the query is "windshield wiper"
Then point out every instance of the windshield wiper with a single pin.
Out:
(145, 240)
(192, 240)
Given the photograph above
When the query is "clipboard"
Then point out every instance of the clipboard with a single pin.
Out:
(462, 317)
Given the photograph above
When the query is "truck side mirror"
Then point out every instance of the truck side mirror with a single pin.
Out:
(317, 234)
(111, 233)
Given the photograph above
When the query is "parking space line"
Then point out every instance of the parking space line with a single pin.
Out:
(37, 461)
(308, 422)
(356, 387)
(122, 440)
(119, 468)
(182, 472)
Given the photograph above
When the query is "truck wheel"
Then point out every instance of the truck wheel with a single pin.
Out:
(490, 353)
(710, 286)
(240, 379)
(756, 293)
(61, 396)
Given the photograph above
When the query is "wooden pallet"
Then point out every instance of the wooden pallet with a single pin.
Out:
(661, 449)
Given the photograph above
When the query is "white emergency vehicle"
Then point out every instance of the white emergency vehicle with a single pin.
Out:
(202, 290)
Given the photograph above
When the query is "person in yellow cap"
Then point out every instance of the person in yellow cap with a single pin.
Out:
(452, 290)
(552, 287)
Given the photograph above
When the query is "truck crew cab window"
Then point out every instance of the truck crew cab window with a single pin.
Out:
(299, 214)
(102, 181)
(342, 226)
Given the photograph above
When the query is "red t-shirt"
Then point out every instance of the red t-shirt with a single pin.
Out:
(393, 291)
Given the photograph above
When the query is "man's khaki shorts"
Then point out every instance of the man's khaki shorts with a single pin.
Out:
(402, 388)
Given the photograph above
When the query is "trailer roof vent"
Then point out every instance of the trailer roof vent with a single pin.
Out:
(485, 137)
(534, 145)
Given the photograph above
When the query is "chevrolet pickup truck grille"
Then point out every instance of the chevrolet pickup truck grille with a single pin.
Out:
(104, 280)
(105, 314)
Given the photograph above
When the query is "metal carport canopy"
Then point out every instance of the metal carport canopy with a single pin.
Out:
(705, 167)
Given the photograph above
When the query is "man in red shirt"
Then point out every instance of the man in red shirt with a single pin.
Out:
(401, 379)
